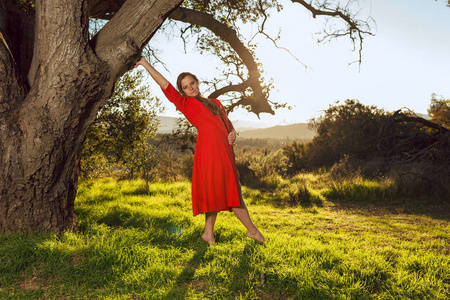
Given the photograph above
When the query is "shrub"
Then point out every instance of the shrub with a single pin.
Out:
(296, 158)
(299, 194)
(260, 168)
(169, 165)
(345, 129)
(344, 169)
(94, 166)
(420, 180)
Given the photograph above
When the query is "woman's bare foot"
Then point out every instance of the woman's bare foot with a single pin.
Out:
(256, 236)
(209, 240)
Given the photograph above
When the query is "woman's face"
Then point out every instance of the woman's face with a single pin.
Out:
(190, 86)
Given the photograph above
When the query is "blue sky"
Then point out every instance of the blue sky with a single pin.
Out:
(406, 61)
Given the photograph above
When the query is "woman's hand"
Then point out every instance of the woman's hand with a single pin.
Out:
(142, 61)
(232, 137)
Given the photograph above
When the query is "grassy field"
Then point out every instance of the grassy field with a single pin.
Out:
(143, 243)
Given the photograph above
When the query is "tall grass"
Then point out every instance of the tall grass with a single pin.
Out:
(362, 190)
(143, 243)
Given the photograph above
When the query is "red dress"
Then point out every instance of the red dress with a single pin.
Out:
(215, 178)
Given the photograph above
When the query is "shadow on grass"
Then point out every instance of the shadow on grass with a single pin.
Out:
(164, 233)
(430, 208)
(140, 191)
(382, 199)
(40, 266)
(99, 199)
(185, 279)
(302, 199)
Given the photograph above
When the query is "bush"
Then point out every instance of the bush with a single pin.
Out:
(420, 180)
(124, 129)
(344, 169)
(345, 129)
(259, 168)
(95, 165)
(173, 165)
(299, 194)
(296, 158)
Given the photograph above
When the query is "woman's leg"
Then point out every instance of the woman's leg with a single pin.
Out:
(210, 220)
(243, 216)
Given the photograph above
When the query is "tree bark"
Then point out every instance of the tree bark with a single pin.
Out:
(45, 115)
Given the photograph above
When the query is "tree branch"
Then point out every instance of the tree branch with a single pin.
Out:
(318, 12)
(121, 40)
(231, 88)
(111, 8)
(354, 26)
(260, 103)
(261, 30)
(355, 30)
(398, 116)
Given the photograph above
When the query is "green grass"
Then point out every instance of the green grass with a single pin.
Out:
(362, 191)
(143, 243)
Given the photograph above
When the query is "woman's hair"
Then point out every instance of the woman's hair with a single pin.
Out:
(211, 106)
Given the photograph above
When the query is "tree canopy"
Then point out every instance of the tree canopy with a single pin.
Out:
(440, 111)
(216, 26)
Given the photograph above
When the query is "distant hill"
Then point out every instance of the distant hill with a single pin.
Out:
(299, 131)
(242, 125)
(425, 116)
(246, 129)
(166, 124)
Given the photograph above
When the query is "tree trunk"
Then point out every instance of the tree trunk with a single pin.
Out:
(44, 116)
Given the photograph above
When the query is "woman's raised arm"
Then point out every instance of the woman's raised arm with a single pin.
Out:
(159, 79)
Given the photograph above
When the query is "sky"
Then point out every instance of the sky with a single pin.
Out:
(403, 64)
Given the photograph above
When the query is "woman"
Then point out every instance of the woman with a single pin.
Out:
(215, 179)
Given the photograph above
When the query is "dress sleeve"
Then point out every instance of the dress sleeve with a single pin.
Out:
(176, 98)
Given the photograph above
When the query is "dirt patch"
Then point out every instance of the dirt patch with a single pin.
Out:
(199, 285)
(75, 260)
(266, 295)
(191, 266)
(30, 284)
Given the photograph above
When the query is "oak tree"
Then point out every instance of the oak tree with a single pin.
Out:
(54, 79)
